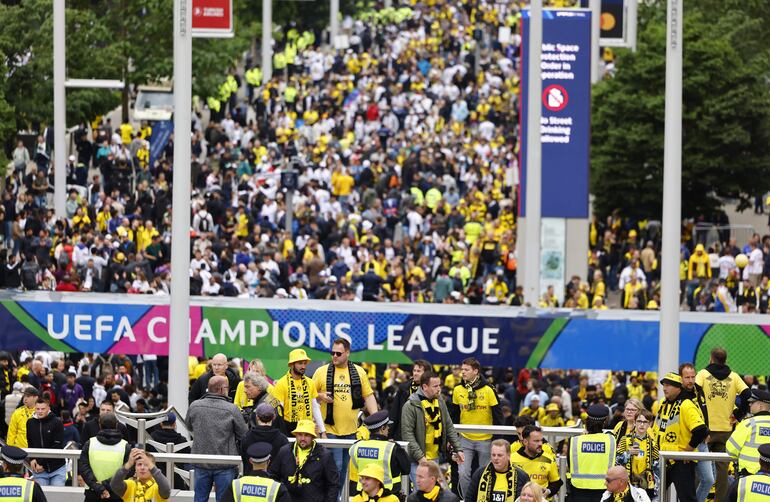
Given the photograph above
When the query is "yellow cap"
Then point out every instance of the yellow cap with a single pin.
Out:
(305, 426)
(552, 407)
(652, 305)
(699, 247)
(672, 378)
(632, 233)
(373, 471)
(297, 355)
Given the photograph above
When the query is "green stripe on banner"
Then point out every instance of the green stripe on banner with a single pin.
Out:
(545, 342)
(28, 322)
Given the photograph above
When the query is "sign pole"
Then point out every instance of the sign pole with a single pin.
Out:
(668, 343)
(179, 318)
(596, 27)
(631, 23)
(334, 22)
(534, 158)
(267, 40)
(59, 109)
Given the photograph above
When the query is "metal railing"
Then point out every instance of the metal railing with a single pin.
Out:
(692, 456)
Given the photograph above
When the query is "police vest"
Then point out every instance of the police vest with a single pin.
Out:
(744, 443)
(105, 459)
(16, 489)
(368, 452)
(255, 489)
(754, 488)
(590, 455)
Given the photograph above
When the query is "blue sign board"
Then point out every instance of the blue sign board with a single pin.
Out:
(161, 133)
(566, 112)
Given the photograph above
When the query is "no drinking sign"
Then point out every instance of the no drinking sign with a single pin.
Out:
(566, 114)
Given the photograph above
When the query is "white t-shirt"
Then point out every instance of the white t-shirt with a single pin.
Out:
(756, 261)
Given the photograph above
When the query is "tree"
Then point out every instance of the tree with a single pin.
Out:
(726, 113)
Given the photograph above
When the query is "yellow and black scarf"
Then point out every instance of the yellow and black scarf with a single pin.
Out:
(296, 478)
(384, 492)
(413, 386)
(356, 392)
(471, 388)
(432, 416)
(487, 484)
(141, 489)
(294, 399)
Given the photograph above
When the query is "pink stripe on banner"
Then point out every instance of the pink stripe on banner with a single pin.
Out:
(155, 322)
(766, 329)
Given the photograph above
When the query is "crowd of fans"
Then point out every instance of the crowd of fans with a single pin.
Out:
(406, 149)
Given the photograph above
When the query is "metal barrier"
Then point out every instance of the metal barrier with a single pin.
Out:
(685, 455)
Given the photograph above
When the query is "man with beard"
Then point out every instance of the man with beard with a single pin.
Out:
(306, 468)
(405, 390)
(541, 468)
(295, 391)
(474, 402)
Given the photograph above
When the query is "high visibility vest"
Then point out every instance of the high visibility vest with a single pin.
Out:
(368, 452)
(290, 94)
(290, 53)
(279, 61)
(745, 441)
(105, 459)
(590, 455)
(16, 489)
(255, 489)
(232, 84)
(213, 103)
(254, 77)
(754, 488)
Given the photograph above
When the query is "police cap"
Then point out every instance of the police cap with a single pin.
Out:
(377, 420)
(764, 453)
(760, 395)
(598, 412)
(13, 455)
(259, 452)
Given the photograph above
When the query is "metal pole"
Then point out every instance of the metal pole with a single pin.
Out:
(267, 40)
(596, 27)
(534, 110)
(289, 210)
(170, 466)
(632, 20)
(179, 321)
(334, 22)
(668, 343)
(59, 109)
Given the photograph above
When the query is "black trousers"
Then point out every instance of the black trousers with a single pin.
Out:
(682, 474)
(583, 495)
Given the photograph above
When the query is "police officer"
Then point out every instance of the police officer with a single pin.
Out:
(13, 486)
(100, 459)
(755, 487)
(751, 433)
(378, 450)
(258, 487)
(590, 456)
(679, 426)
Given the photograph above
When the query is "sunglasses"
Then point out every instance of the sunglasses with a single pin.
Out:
(337, 354)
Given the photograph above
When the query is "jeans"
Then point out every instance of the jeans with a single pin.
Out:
(341, 457)
(205, 478)
(53, 478)
(151, 376)
(705, 471)
(471, 449)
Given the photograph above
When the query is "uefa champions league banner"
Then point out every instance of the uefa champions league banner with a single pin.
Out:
(384, 333)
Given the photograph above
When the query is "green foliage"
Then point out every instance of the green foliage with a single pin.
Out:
(726, 112)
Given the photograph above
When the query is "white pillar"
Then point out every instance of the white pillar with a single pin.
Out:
(632, 20)
(534, 191)
(596, 31)
(179, 322)
(59, 109)
(668, 346)
(267, 40)
(334, 21)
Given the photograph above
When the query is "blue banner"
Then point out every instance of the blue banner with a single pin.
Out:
(566, 112)
(120, 324)
(161, 132)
